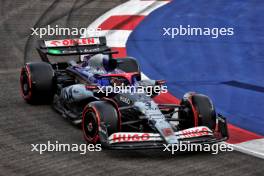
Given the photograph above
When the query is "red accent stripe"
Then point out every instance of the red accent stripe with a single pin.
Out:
(122, 52)
(195, 113)
(238, 135)
(121, 22)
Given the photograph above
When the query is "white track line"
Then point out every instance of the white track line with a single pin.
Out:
(115, 38)
(132, 7)
(253, 147)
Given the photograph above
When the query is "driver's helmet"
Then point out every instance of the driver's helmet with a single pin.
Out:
(98, 61)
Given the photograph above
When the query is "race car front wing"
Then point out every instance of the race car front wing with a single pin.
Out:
(134, 140)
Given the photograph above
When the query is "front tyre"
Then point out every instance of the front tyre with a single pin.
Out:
(94, 115)
(205, 110)
(199, 111)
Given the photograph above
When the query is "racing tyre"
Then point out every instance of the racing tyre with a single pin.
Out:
(199, 111)
(37, 82)
(99, 114)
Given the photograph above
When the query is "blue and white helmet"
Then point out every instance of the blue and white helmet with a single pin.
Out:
(99, 61)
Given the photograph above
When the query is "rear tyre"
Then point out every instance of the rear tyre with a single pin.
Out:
(37, 83)
(198, 111)
(95, 114)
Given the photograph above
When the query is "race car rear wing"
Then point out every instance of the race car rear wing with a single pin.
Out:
(80, 46)
(92, 41)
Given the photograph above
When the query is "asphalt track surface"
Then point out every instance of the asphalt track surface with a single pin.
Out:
(22, 124)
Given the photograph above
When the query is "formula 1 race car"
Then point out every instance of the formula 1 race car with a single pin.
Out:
(79, 90)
